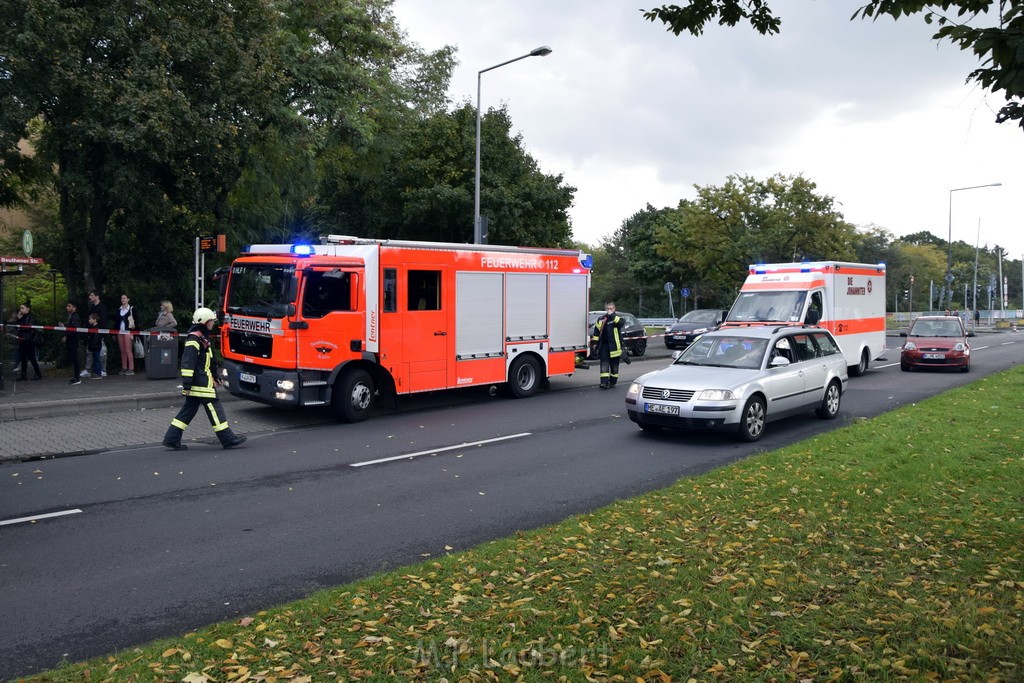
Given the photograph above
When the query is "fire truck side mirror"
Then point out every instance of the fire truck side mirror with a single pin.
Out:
(293, 290)
(290, 311)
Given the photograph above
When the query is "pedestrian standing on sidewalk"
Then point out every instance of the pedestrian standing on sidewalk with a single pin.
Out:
(126, 320)
(71, 342)
(199, 381)
(165, 318)
(96, 306)
(93, 346)
(27, 342)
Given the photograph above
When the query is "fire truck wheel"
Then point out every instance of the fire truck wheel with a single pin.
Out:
(524, 377)
(353, 396)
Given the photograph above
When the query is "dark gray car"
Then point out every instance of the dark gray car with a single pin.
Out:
(693, 324)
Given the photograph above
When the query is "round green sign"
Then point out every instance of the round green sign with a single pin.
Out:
(26, 242)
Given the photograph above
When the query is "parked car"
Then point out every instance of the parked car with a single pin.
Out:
(741, 379)
(634, 339)
(693, 324)
(936, 341)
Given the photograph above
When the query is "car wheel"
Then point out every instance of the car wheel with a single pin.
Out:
(905, 366)
(966, 368)
(352, 398)
(639, 348)
(524, 377)
(861, 367)
(830, 403)
(753, 420)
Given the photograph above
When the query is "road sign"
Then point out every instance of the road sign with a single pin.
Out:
(669, 286)
(26, 242)
(685, 291)
(21, 260)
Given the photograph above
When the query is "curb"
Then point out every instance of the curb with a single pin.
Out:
(62, 408)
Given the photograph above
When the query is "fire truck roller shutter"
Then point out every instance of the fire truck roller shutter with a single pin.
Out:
(526, 297)
(478, 315)
(568, 323)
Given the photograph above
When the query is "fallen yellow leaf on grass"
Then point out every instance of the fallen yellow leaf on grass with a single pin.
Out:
(224, 643)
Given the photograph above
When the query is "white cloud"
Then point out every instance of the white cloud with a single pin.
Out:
(875, 112)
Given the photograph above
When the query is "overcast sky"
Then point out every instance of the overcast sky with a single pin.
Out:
(876, 113)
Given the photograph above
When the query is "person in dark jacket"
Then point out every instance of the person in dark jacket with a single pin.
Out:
(93, 348)
(199, 385)
(97, 307)
(71, 341)
(607, 337)
(27, 342)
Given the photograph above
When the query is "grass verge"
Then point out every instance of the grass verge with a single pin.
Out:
(887, 550)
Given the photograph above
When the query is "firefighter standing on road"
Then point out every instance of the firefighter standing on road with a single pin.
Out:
(199, 385)
(607, 339)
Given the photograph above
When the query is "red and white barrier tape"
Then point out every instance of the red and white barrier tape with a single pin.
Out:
(90, 330)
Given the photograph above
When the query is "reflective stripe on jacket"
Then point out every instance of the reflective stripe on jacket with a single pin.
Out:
(197, 366)
(613, 340)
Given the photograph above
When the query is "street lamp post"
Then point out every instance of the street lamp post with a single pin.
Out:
(541, 51)
(948, 291)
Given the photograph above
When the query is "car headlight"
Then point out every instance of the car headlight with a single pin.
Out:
(634, 389)
(959, 346)
(910, 346)
(716, 395)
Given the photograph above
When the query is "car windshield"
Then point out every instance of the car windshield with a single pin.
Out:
(768, 306)
(725, 352)
(260, 290)
(936, 328)
(700, 316)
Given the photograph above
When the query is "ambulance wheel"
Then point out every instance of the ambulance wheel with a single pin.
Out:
(353, 396)
(861, 367)
(524, 377)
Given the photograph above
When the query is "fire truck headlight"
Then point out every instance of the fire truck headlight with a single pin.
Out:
(224, 373)
(283, 396)
(634, 389)
(285, 384)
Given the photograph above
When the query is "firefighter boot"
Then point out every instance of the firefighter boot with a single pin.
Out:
(228, 439)
(172, 439)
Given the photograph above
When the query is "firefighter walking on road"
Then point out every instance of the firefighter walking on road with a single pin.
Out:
(199, 385)
(607, 339)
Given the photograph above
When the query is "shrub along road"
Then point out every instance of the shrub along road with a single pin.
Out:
(166, 542)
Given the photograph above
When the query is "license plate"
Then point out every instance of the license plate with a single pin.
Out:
(247, 377)
(661, 409)
(934, 356)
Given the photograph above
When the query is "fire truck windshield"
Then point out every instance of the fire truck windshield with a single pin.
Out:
(767, 306)
(263, 290)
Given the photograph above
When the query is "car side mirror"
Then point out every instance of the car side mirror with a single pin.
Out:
(779, 362)
(903, 334)
(676, 354)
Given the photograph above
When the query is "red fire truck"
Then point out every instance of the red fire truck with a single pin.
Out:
(350, 321)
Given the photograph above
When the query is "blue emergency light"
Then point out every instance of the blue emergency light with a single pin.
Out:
(302, 249)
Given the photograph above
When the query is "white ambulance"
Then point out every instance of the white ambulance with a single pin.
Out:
(848, 299)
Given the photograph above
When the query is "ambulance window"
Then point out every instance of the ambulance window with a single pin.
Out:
(424, 290)
(390, 290)
(817, 307)
(326, 292)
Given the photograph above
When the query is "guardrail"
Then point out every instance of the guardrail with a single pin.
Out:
(657, 322)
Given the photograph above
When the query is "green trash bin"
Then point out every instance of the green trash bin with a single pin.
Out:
(162, 357)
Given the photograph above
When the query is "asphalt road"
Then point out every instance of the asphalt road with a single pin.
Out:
(169, 541)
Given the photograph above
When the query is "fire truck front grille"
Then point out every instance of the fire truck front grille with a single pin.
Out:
(250, 344)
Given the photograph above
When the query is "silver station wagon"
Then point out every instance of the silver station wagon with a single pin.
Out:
(740, 379)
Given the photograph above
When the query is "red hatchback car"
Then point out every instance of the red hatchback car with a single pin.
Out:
(936, 341)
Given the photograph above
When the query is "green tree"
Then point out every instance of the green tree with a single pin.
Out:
(725, 229)
(998, 46)
(416, 181)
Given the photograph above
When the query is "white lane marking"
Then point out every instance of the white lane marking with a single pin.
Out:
(890, 365)
(33, 518)
(978, 348)
(408, 456)
(1005, 343)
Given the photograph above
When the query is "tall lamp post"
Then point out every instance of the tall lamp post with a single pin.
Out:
(948, 293)
(541, 51)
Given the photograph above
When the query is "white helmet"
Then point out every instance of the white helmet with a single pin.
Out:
(203, 316)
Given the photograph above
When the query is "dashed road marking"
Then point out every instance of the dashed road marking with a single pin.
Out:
(1006, 343)
(33, 518)
(468, 444)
